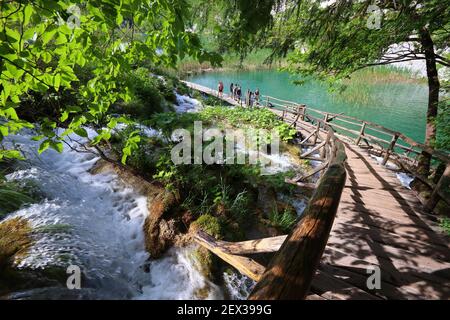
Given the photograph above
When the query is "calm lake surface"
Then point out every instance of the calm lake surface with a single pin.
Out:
(398, 106)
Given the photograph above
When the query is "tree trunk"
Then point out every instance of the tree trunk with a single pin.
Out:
(433, 99)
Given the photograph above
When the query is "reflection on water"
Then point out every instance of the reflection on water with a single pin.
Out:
(398, 106)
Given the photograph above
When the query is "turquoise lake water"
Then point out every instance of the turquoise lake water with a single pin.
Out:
(398, 106)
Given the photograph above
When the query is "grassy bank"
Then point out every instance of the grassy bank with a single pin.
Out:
(253, 61)
(358, 88)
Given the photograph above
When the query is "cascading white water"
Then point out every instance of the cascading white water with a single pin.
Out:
(100, 223)
(102, 232)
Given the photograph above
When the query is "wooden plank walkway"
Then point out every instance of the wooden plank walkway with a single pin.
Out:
(226, 97)
(379, 223)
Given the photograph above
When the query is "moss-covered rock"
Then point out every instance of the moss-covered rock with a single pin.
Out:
(205, 262)
(15, 241)
(208, 224)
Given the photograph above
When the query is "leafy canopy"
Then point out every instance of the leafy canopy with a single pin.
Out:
(44, 44)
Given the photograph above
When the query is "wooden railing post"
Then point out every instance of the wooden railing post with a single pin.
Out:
(323, 152)
(389, 149)
(361, 133)
(316, 136)
(303, 111)
(443, 183)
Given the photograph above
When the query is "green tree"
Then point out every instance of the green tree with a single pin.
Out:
(44, 42)
(333, 39)
(340, 38)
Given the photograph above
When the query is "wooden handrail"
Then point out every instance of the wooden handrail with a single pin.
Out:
(290, 272)
(397, 142)
(445, 157)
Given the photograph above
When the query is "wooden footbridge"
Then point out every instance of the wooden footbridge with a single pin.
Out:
(360, 223)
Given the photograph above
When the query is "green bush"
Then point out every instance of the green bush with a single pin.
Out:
(145, 92)
(254, 118)
(145, 157)
(210, 225)
(445, 224)
(283, 221)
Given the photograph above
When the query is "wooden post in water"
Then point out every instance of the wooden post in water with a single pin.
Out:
(443, 185)
(361, 133)
(389, 149)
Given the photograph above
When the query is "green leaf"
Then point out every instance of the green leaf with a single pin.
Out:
(12, 33)
(44, 146)
(46, 57)
(16, 72)
(119, 19)
(57, 81)
(64, 116)
(11, 154)
(38, 138)
(61, 39)
(11, 113)
(47, 36)
(27, 12)
(124, 159)
(58, 146)
(81, 132)
(3, 130)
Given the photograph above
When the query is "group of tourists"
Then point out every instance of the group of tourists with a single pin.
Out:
(235, 91)
(251, 98)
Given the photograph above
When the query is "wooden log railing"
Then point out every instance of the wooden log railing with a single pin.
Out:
(290, 272)
(389, 144)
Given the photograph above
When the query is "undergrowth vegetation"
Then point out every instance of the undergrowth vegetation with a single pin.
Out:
(221, 197)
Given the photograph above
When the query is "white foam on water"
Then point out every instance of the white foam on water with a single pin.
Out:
(238, 286)
(103, 231)
(186, 104)
(177, 264)
(298, 204)
(405, 179)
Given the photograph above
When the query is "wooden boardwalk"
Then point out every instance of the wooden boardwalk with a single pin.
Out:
(379, 223)
(226, 97)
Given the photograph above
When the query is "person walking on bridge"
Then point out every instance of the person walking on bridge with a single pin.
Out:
(220, 87)
(238, 93)
(235, 90)
(257, 95)
(232, 90)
